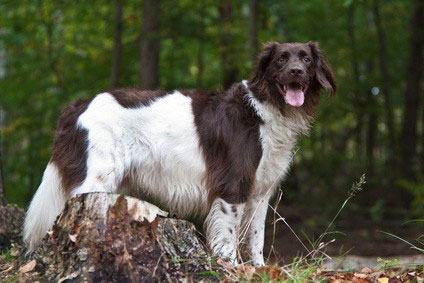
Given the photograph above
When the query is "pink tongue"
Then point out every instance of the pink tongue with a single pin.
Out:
(295, 97)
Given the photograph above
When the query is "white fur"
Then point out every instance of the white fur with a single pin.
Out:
(253, 227)
(222, 228)
(47, 203)
(156, 147)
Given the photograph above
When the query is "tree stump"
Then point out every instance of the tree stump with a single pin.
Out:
(115, 238)
(11, 220)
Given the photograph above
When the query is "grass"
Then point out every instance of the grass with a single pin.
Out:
(420, 240)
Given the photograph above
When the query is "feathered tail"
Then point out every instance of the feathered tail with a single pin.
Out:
(46, 204)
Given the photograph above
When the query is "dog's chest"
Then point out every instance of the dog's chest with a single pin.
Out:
(278, 139)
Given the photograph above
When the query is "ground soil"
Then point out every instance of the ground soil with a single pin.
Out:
(361, 237)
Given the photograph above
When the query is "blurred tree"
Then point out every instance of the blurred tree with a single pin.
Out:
(149, 45)
(357, 94)
(253, 35)
(117, 45)
(229, 67)
(372, 123)
(385, 79)
(371, 110)
(412, 103)
(2, 195)
(201, 51)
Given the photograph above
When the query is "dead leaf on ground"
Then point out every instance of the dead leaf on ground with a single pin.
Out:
(73, 237)
(4, 268)
(28, 267)
(360, 275)
(366, 270)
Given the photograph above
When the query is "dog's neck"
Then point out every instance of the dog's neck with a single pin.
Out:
(294, 118)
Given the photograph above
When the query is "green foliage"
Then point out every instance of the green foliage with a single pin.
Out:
(417, 191)
(6, 256)
(388, 263)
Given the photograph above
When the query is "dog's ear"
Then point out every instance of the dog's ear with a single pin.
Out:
(323, 71)
(264, 58)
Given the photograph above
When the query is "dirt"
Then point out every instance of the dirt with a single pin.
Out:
(359, 237)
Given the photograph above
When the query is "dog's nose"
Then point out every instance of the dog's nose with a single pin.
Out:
(296, 71)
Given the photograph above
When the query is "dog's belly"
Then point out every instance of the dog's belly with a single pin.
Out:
(154, 147)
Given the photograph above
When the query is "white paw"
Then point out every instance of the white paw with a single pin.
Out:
(227, 252)
(258, 260)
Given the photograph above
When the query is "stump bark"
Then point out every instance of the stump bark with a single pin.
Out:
(115, 238)
(11, 220)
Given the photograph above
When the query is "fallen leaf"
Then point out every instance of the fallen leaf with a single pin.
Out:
(359, 280)
(360, 275)
(73, 237)
(14, 252)
(366, 270)
(383, 280)
(70, 277)
(7, 269)
(28, 267)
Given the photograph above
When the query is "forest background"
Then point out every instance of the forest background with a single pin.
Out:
(56, 51)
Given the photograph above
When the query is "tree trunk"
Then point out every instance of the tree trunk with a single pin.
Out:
(357, 101)
(385, 82)
(201, 51)
(11, 221)
(11, 217)
(149, 45)
(114, 238)
(253, 35)
(229, 68)
(117, 48)
(2, 194)
(371, 135)
(413, 73)
(373, 107)
(422, 139)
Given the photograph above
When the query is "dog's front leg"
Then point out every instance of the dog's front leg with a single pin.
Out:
(254, 227)
(222, 226)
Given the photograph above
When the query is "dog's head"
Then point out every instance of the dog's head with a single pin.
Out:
(292, 74)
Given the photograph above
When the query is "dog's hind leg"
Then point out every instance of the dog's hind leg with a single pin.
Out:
(222, 227)
(104, 174)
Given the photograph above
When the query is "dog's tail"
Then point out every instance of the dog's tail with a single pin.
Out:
(47, 203)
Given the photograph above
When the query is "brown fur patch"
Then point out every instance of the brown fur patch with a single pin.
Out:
(133, 98)
(228, 130)
(70, 146)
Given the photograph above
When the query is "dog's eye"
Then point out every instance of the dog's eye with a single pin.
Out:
(281, 60)
(306, 59)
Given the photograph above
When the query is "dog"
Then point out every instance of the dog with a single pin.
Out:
(218, 154)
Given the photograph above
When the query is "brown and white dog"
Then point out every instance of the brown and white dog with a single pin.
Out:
(221, 155)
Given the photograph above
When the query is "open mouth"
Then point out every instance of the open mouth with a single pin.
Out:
(293, 93)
